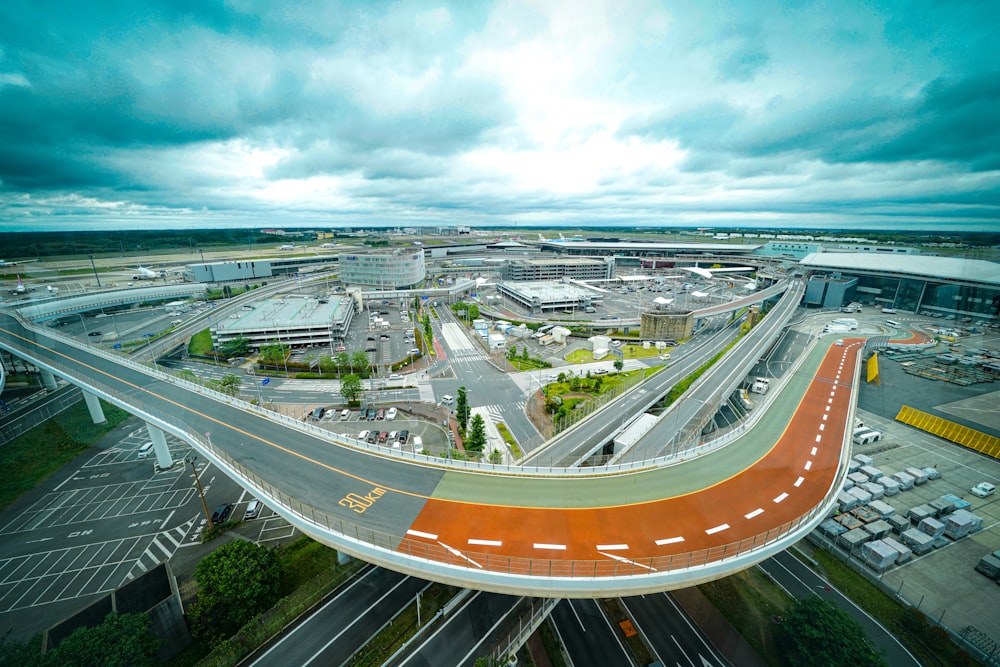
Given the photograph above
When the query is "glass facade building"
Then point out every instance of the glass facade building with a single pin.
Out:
(393, 269)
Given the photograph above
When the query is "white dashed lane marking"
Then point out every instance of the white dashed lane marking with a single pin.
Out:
(754, 513)
(717, 529)
(781, 497)
(669, 540)
(417, 533)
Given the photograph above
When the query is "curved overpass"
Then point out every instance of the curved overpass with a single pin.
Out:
(588, 535)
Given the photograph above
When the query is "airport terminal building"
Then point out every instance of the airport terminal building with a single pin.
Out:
(937, 286)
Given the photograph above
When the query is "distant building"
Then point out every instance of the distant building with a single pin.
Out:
(295, 321)
(392, 269)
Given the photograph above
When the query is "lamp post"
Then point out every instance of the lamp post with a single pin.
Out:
(191, 458)
(94, 266)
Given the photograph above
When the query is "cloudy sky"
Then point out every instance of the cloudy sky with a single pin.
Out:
(200, 113)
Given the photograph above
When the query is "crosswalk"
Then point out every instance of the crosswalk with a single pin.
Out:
(161, 548)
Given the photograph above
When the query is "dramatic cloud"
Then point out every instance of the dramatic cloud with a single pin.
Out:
(646, 113)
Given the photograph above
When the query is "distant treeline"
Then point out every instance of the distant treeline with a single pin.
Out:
(40, 245)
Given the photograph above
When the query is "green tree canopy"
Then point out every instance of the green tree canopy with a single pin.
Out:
(477, 434)
(237, 347)
(342, 359)
(350, 387)
(822, 635)
(120, 639)
(619, 365)
(359, 360)
(462, 408)
(236, 582)
(272, 353)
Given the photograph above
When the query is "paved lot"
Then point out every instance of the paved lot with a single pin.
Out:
(943, 582)
(104, 519)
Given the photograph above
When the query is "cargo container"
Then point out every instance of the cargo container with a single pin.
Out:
(853, 466)
(858, 478)
(891, 485)
(863, 459)
(848, 483)
(872, 472)
(918, 475)
(848, 521)
(899, 523)
(854, 538)
(919, 513)
(847, 501)
(977, 521)
(941, 507)
(957, 526)
(878, 555)
(832, 528)
(919, 541)
(878, 529)
(932, 473)
(877, 490)
(956, 502)
(865, 514)
(905, 480)
(931, 526)
(863, 496)
(905, 553)
(990, 566)
(883, 509)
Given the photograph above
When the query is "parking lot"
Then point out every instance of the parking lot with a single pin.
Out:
(102, 520)
(943, 582)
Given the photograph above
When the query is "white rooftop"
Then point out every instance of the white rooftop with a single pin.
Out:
(923, 266)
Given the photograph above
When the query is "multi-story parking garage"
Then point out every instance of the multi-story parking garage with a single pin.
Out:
(295, 321)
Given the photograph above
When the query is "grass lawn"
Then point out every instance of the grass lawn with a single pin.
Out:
(201, 343)
(749, 600)
(32, 457)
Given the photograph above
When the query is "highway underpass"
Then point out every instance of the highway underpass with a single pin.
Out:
(587, 535)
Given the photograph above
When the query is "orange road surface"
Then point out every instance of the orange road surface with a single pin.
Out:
(749, 509)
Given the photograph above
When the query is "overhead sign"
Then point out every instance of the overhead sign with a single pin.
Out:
(618, 352)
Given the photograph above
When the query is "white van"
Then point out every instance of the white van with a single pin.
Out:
(253, 510)
(345, 415)
(145, 450)
(892, 323)
(395, 377)
(447, 400)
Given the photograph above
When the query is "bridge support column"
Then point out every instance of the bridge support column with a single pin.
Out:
(94, 406)
(49, 382)
(163, 459)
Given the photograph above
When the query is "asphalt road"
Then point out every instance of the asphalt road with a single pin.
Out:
(671, 634)
(345, 622)
(588, 636)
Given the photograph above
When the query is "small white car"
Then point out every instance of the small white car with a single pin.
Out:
(983, 490)
(391, 414)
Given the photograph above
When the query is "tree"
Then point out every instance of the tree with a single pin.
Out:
(619, 365)
(359, 361)
(272, 353)
(496, 457)
(237, 347)
(350, 387)
(462, 409)
(236, 582)
(820, 634)
(428, 331)
(342, 359)
(525, 354)
(122, 639)
(477, 435)
(512, 352)
(473, 311)
(231, 384)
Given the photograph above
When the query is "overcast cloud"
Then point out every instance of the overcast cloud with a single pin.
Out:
(801, 114)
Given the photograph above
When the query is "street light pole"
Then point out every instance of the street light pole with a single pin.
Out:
(191, 459)
(94, 266)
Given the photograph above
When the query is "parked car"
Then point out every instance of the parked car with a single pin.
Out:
(404, 435)
(383, 437)
(380, 413)
(253, 510)
(391, 414)
(371, 437)
(345, 415)
(983, 490)
(370, 415)
(221, 513)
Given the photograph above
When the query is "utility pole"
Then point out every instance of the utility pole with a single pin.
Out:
(191, 459)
